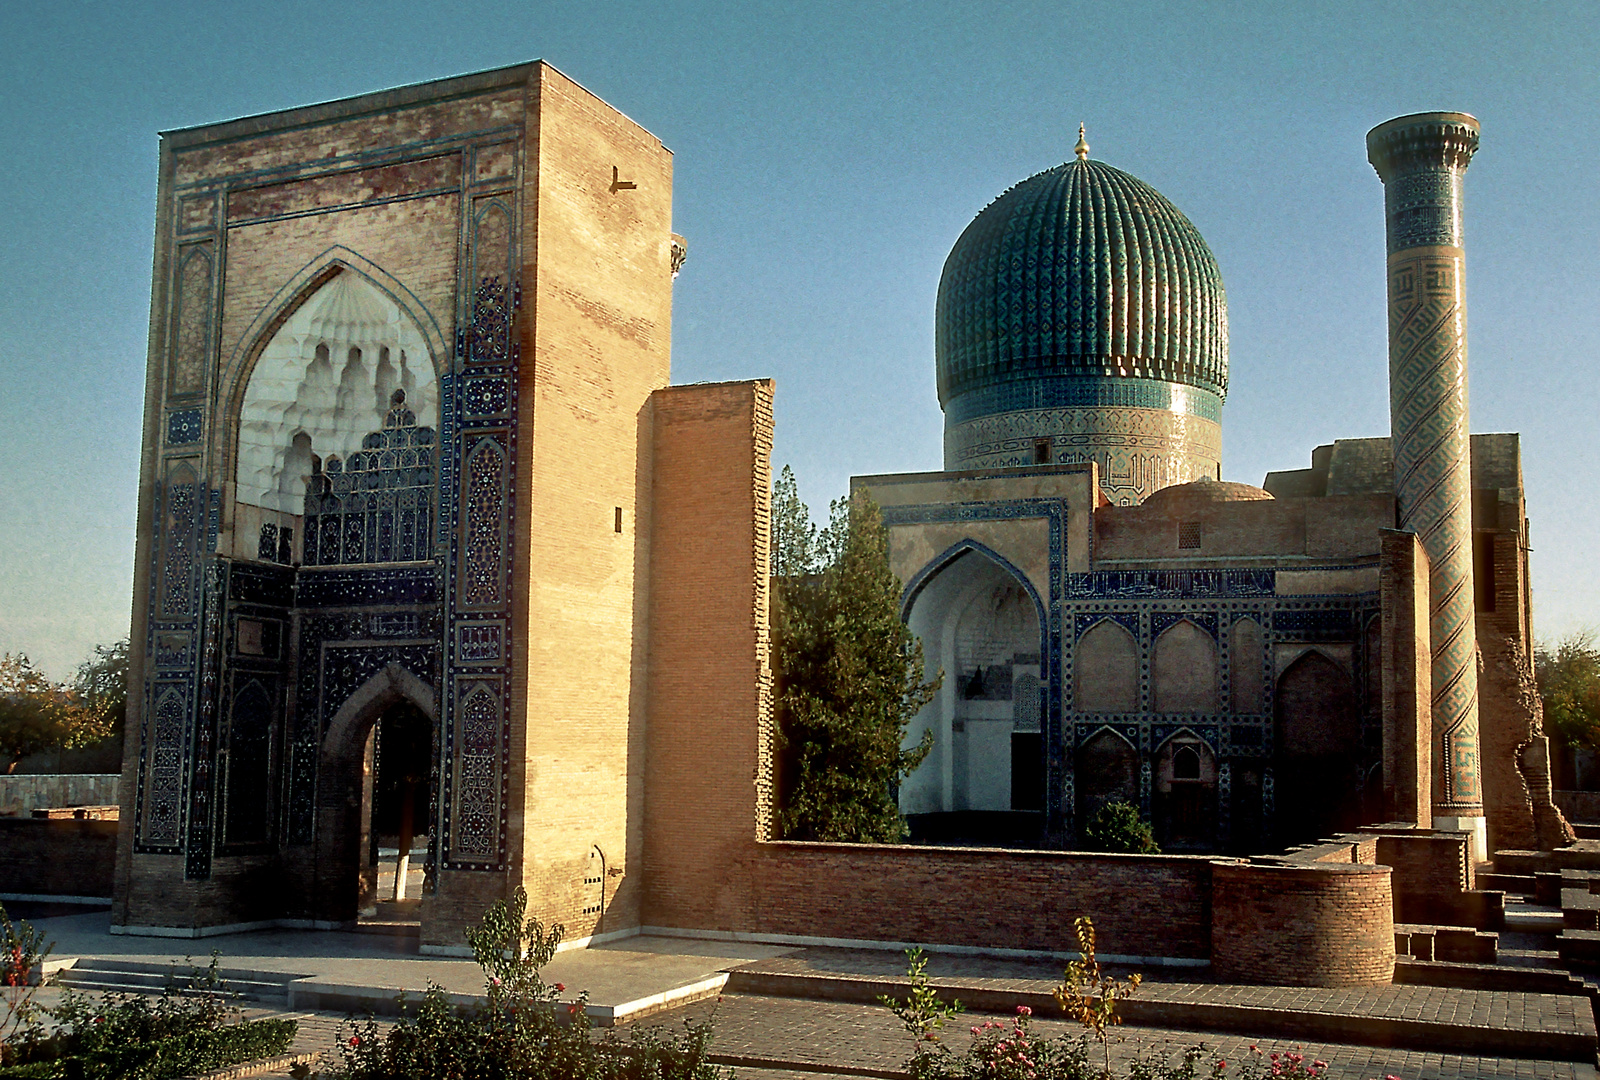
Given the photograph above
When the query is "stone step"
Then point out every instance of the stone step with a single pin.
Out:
(97, 975)
(1511, 884)
(1579, 948)
(1534, 919)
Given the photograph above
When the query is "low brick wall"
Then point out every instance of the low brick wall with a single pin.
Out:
(1148, 906)
(1310, 924)
(21, 794)
(57, 857)
(1580, 806)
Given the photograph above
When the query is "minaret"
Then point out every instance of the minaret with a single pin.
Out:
(1422, 160)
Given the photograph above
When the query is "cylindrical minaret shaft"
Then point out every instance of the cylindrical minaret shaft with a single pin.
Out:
(1422, 160)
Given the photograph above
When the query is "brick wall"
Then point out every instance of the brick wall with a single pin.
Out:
(1142, 905)
(1406, 680)
(1431, 870)
(62, 858)
(708, 788)
(1326, 924)
(598, 284)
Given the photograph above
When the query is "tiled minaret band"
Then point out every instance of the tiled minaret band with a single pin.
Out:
(1422, 160)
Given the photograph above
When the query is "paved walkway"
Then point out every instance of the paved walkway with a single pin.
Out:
(807, 1036)
(824, 1020)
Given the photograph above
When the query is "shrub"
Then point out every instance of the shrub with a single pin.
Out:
(187, 1029)
(1116, 826)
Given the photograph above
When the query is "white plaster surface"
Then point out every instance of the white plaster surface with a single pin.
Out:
(322, 383)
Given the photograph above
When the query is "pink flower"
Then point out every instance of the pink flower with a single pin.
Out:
(1023, 1010)
(495, 981)
(355, 1040)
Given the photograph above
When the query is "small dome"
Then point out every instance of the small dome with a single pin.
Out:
(1203, 492)
(1080, 270)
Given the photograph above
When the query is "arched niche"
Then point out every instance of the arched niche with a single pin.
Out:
(1185, 797)
(1317, 736)
(979, 623)
(324, 381)
(346, 870)
(1107, 769)
(1246, 660)
(1183, 670)
(1105, 670)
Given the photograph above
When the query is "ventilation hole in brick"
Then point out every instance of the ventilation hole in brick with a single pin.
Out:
(1189, 534)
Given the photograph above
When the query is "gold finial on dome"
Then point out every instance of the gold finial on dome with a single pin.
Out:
(1082, 149)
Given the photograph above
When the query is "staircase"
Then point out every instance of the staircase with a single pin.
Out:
(92, 975)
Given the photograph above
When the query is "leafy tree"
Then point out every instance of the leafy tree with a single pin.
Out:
(102, 685)
(1116, 826)
(39, 714)
(1568, 674)
(849, 673)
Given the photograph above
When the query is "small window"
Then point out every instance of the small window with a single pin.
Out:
(1041, 451)
(617, 523)
(1186, 763)
(1188, 534)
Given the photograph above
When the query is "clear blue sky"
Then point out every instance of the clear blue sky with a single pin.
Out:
(828, 155)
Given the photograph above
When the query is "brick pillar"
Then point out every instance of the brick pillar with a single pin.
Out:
(1407, 679)
(1422, 160)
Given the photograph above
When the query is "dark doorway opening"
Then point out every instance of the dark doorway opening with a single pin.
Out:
(397, 806)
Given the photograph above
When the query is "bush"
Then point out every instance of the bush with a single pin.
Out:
(1116, 826)
(130, 1037)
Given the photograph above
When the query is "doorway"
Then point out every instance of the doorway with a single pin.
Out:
(396, 809)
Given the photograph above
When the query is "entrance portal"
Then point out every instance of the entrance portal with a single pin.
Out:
(396, 806)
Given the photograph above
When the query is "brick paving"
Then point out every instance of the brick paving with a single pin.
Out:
(810, 1035)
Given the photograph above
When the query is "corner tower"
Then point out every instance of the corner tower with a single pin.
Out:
(1081, 317)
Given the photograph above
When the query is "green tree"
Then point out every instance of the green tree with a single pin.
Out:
(848, 672)
(101, 686)
(39, 714)
(1568, 674)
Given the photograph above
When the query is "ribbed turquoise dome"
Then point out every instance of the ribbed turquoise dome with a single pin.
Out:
(1081, 270)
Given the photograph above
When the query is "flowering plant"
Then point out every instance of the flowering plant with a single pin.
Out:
(22, 956)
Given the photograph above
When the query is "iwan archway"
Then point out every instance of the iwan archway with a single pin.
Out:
(984, 782)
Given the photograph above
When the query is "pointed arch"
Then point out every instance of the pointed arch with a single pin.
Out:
(1183, 670)
(340, 782)
(983, 624)
(1107, 770)
(1105, 670)
(300, 287)
(942, 561)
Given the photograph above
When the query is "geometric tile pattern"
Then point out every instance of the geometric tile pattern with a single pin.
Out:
(478, 418)
(1422, 161)
(1080, 269)
(1139, 450)
(1428, 403)
(376, 505)
(1147, 602)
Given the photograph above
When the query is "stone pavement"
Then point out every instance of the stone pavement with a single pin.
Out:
(793, 1008)
(798, 1039)
(1424, 1017)
(357, 972)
